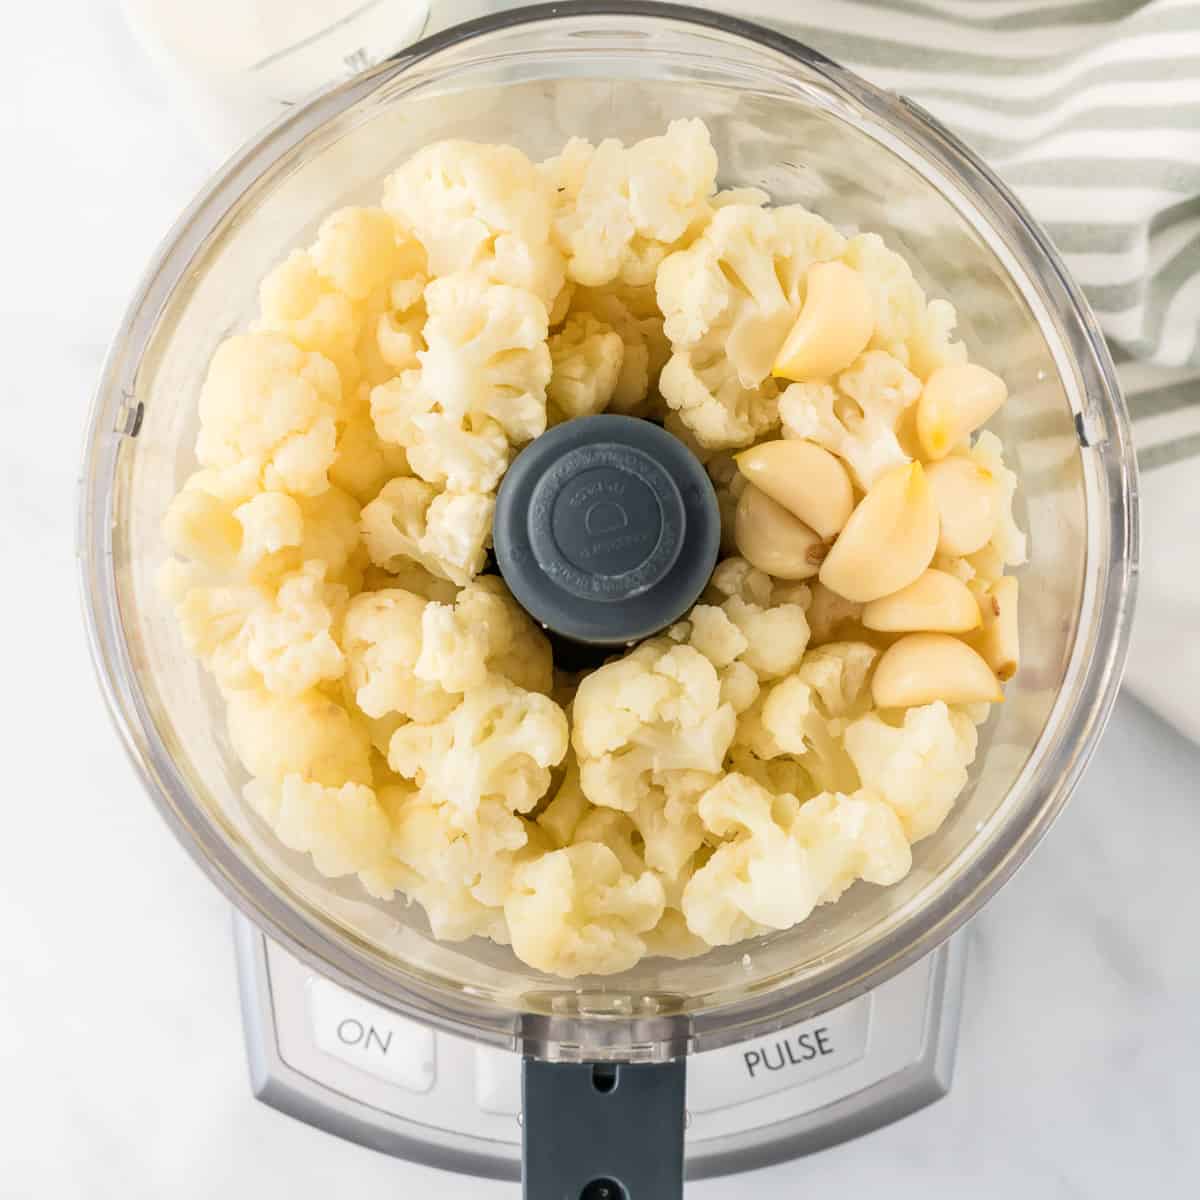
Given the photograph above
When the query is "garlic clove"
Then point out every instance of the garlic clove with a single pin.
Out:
(889, 539)
(935, 601)
(999, 641)
(921, 668)
(966, 496)
(773, 540)
(805, 478)
(954, 402)
(835, 324)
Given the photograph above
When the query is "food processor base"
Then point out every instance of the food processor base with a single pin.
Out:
(346, 1065)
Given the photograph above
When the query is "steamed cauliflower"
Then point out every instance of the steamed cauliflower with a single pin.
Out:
(729, 301)
(859, 419)
(272, 406)
(918, 767)
(621, 210)
(777, 858)
(399, 716)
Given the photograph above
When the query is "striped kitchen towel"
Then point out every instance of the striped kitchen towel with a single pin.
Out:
(1090, 110)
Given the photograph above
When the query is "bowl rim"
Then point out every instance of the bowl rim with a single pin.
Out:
(1101, 423)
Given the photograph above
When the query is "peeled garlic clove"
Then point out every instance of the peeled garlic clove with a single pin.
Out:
(770, 538)
(955, 401)
(889, 539)
(923, 667)
(805, 478)
(966, 496)
(999, 641)
(834, 326)
(935, 602)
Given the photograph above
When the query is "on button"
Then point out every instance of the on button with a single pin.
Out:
(371, 1038)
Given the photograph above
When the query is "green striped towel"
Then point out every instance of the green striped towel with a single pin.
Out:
(1090, 109)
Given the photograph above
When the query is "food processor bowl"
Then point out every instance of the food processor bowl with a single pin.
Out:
(782, 118)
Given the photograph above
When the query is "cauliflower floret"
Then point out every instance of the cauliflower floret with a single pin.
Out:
(266, 402)
(486, 357)
(308, 735)
(918, 767)
(498, 745)
(485, 630)
(729, 301)
(360, 249)
(251, 636)
(575, 911)
(586, 357)
(858, 420)
(289, 641)
(775, 636)
(381, 639)
(736, 577)
(363, 461)
(460, 879)
(805, 714)
(779, 858)
(461, 453)
(739, 287)
(715, 635)
(446, 534)
(343, 828)
(654, 711)
(298, 302)
(621, 210)
(484, 209)
(632, 312)
(722, 413)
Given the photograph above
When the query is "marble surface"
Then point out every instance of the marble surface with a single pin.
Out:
(121, 1061)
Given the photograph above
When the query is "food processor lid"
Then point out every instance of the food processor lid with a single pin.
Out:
(606, 529)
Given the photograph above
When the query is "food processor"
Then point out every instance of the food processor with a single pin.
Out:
(457, 1054)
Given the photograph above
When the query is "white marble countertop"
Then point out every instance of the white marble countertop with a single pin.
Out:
(121, 1062)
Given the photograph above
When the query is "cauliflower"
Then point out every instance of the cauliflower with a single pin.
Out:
(858, 420)
(656, 710)
(364, 462)
(480, 209)
(298, 303)
(485, 630)
(778, 859)
(382, 642)
(721, 412)
(360, 250)
(622, 210)
(447, 534)
(269, 404)
(918, 767)
(486, 358)
(631, 311)
(497, 745)
(738, 288)
(575, 911)
(728, 302)
(776, 636)
(307, 735)
(343, 828)
(460, 453)
(585, 358)
(805, 714)
(460, 879)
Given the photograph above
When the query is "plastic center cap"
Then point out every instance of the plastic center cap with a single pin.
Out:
(606, 529)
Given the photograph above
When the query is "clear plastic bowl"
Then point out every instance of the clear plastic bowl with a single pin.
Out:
(783, 118)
